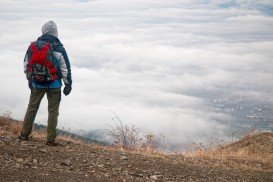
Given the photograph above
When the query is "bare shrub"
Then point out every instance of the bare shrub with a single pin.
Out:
(124, 135)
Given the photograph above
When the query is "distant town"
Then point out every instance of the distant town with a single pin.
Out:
(246, 116)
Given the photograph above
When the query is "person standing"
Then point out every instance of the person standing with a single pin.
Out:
(46, 65)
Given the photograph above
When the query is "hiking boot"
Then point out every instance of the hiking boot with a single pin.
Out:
(52, 143)
(23, 138)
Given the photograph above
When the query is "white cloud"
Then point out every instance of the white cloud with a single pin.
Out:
(153, 62)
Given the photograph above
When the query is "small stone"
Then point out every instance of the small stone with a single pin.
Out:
(100, 165)
(154, 177)
(43, 150)
(124, 158)
(20, 160)
(66, 163)
(35, 161)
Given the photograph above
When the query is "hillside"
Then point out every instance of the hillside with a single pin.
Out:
(259, 145)
(78, 161)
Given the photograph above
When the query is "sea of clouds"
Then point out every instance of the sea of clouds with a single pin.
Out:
(156, 63)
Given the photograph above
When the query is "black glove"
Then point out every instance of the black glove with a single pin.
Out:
(67, 89)
(29, 84)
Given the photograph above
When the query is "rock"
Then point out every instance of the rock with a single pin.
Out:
(34, 147)
(35, 161)
(20, 160)
(124, 158)
(27, 161)
(154, 177)
(43, 150)
(137, 175)
(66, 163)
(100, 165)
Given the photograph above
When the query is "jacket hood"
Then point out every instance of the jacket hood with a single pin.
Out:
(50, 27)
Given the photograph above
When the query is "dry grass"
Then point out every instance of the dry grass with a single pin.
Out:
(69, 139)
(254, 151)
(10, 125)
(200, 150)
(41, 135)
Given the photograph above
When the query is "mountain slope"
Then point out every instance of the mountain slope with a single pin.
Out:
(77, 161)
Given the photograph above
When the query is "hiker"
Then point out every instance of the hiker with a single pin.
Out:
(46, 64)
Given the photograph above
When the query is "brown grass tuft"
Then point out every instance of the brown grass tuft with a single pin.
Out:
(8, 124)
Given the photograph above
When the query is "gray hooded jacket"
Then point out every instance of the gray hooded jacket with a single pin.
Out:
(50, 35)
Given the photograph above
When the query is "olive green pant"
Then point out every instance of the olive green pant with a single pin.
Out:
(54, 98)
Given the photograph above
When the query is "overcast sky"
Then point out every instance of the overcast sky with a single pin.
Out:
(154, 62)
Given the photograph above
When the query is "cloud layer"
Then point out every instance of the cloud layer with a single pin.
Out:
(155, 63)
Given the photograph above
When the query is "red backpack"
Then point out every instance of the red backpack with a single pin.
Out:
(41, 68)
